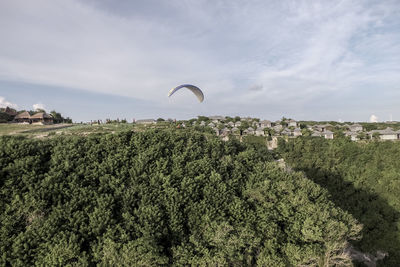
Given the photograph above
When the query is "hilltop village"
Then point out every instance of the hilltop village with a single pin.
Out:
(226, 127)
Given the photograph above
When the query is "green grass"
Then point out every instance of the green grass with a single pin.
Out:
(73, 129)
(13, 128)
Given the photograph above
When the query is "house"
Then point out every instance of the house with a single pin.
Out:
(328, 134)
(322, 127)
(235, 130)
(249, 130)
(387, 134)
(225, 132)
(277, 127)
(286, 131)
(238, 123)
(292, 123)
(41, 118)
(259, 131)
(265, 124)
(23, 117)
(217, 118)
(297, 132)
(353, 135)
(211, 124)
(246, 119)
(355, 128)
(146, 121)
(230, 124)
(202, 123)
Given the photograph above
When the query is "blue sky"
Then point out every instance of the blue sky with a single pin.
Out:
(320, 60)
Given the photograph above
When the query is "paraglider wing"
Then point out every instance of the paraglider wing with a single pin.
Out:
(192, 88)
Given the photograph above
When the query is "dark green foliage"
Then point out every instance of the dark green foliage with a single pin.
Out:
(172, 197)
(4, 117)
(363, 179)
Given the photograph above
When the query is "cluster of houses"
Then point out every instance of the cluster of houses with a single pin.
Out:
(26, 118)
(291, 129)
(287, 128)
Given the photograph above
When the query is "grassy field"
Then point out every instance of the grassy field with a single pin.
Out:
(72, 129)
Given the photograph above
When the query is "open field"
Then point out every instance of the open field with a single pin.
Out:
(26, 129)
(72, 129)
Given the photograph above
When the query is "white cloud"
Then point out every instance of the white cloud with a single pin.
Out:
(4, 103)
(373, 118)
(297, 52)
(38, 106)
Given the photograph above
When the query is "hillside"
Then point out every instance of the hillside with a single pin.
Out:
(363, 179)
(161, 197)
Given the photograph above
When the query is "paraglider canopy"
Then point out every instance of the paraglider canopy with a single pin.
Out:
(192, 88)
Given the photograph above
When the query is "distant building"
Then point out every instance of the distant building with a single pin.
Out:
(353, 135)
(277, 127)
(146, 121)
(265, 124)
(297, 132)
(225, 132)
(41, 118)
(387, 134)
(235, 130)
(246, 119)
(217, 118)
(328, 134)
(356, 127)
(322, 127)
(292, 123)
(286, 131)
(238, 123)
(23, 117)
(259, 131)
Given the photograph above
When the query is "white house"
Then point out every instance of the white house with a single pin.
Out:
(297, 132)
(292, 123)
(235, 130)
(328, 134)
(286, 131)
(259, 132)
(356, 127)
(353, 135)
(147, 121)
(277, 127)
(265, 124)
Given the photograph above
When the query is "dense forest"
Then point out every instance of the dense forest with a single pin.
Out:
(363, 179)
(162, 197)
